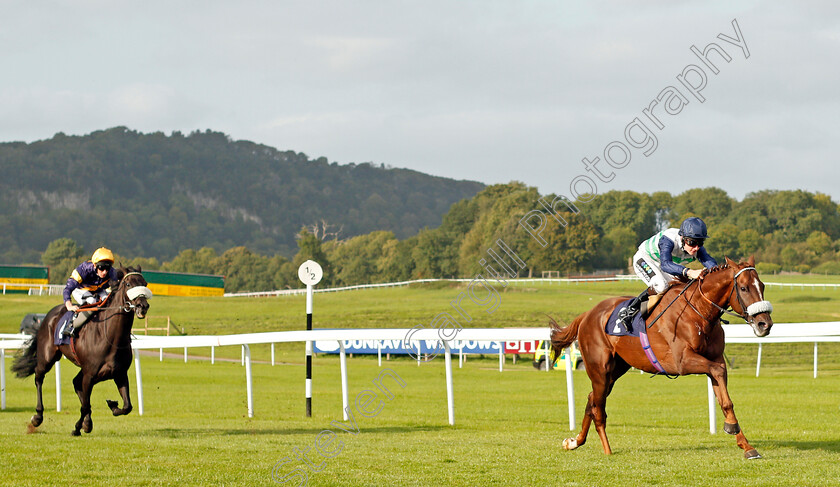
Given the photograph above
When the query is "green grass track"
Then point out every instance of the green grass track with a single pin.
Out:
(509, 425)
(508, 430)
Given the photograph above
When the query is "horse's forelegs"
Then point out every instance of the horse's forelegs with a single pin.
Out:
(84, 386)
(718, 375)
(122, 385)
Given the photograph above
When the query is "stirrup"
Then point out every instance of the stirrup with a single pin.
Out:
(626, 315)
(628, 323)
(68, 330)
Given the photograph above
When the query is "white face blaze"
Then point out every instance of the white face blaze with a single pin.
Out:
(760, 306)
(758, 289)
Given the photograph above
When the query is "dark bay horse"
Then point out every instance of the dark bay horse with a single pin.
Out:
(686, 339)
(102, 348)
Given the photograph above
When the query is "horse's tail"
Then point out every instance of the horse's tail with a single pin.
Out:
(563, 337)
(27, 359)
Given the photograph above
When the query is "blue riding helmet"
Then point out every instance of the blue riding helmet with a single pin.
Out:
(693, 228)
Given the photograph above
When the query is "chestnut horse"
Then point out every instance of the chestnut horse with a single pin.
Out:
(686, 339)
(102, 349)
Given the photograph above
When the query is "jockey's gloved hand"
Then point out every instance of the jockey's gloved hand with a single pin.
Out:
(694, 273)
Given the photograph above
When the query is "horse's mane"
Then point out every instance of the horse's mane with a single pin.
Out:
(723, 267)
(719, 267)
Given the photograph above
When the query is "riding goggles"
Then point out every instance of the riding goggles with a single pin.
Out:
(693, 242)
(103, 266)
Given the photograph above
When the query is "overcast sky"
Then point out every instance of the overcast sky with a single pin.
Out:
(483, 90)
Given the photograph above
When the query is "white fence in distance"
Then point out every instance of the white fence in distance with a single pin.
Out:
(516, 281)
(781, 333)
(57, 289)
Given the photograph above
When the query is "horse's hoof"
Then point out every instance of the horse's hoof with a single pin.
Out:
(114, 406)
(36, 420)
(570, 444)
(87, 424)
(751, 454)
(76, 433)
(732, 429)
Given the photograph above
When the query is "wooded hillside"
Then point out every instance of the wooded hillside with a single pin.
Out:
(202, 203)
(154, 195)
(785, 230)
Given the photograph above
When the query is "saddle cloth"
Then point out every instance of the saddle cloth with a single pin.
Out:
(65, 321)
(67, 318)
(615, 326)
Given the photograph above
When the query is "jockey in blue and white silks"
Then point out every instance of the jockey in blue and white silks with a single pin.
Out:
(668, 252)
(663, 256)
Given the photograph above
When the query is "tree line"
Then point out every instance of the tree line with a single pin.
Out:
(785, 230)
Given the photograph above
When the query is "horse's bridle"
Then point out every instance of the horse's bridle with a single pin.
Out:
(749, 311)
(135, 292)
(131, 293)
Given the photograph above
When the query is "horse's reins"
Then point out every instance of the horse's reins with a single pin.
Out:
(700, 288)
(129, 305)
(127, 308)
(646, 342)
(672, 302)
(759, 306)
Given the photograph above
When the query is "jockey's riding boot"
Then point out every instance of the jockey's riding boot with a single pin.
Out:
(68, 330)
(79, 320)
(627, 313)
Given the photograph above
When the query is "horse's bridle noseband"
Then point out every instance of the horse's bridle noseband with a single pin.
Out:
(135, 292)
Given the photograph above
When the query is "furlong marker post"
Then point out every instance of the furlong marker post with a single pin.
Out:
(309, 352)
(310, 273)
(3, 378)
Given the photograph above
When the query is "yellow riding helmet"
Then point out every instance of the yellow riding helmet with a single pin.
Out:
(102, 254)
